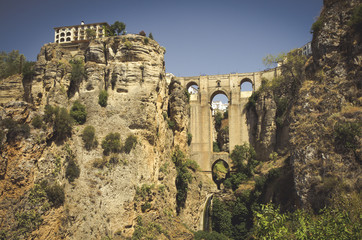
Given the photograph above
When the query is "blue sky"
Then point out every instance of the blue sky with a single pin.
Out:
(200, 37)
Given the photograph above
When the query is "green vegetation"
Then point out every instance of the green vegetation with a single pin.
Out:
(142, 33)
(89, 137)
(102, 98)
(242, 154)
(317, 25)
(90, 33)
(78, 112)
(77, 75)
(183, 178)
(146, 40)
(27, 221)
(218, 118)
(128, 45)
(37, 121)
(356, 19)
(15, 129)
(60, 119)
(346, 134)
(151, 230)
(116, 28)
(62, 123)
(14, 63)
(215, 147)
(189, 138)
(55, 194)
(130, 143)
(111, 143)
(201, 235)
(150, 36)
(329, 224)
(72, 170)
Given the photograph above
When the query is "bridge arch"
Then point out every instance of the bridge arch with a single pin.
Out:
(245, 84)
(201, 118)
(219, 91)
(220, 171)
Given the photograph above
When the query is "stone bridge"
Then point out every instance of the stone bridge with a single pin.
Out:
(201, 121)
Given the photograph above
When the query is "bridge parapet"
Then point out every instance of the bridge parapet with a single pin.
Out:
(220, 155)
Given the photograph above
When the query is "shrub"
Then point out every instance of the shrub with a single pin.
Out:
(150, 36)
(78, 112)
(55, 194)
(100, 162)
(76, 76)
(62, 124)
(356, 19)
(192, 164)
(49, 114)
(189, 138)
(239, 155)
(347, 133)
(218, 118)
(15, 129)
(145, 206)
(128, 45)
(111, 143)
(215, 147)
(130, 143)
(317, 25)
(201, 235)
(171, 124)
(226, 114)
(102, 98)
(37, 121)
(72, 171)
(89, 137)
(142, 33)
(146, 40)
(183, 178)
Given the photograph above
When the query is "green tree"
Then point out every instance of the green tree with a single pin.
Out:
(77, 75)
(118, 27)
(90, 33)
(89, 137)
(111, 143)
(130, 143)
(150, 36)
(243, 154)
(102, 98)
(62, 124)
(10, 63)
(78, 112)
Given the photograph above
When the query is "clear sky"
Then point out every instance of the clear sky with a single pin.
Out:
(200, 37)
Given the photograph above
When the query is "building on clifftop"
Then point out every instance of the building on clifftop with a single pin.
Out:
(78, 32)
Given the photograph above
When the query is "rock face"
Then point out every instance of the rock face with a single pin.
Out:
(11, 89)
(261, 119)
(107, 201)
(322, 164)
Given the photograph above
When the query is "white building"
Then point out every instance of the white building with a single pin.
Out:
(307, 49)
(78, 32)
(218, 106)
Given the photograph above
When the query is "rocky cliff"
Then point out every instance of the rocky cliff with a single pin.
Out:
(324, 163)
(119, 195)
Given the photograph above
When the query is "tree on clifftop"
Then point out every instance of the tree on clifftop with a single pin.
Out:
(118, 27)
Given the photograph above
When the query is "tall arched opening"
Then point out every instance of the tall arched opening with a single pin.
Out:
(220, 172)
(246, 87)
(220, 121)
(193, 90)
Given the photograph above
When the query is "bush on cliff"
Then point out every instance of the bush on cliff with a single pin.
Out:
(111, 143)
(78, 112)
(102, 98)
(130, 143)
(89, 137)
